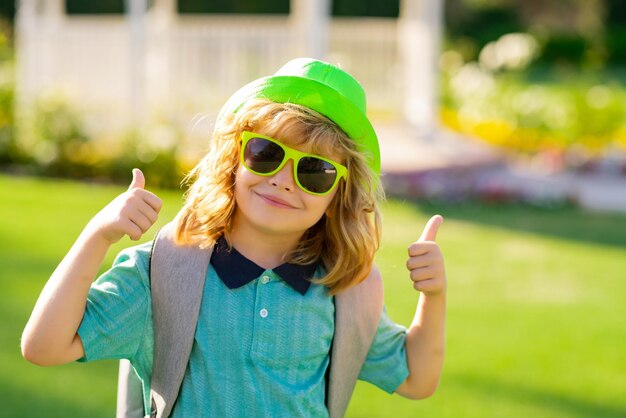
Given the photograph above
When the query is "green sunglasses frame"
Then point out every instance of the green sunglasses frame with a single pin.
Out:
(295, 156)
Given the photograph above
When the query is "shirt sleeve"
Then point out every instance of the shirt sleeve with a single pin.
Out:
(118, 308)
(386, 365)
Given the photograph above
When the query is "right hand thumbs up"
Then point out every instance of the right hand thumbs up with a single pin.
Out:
(139, 181)
(132, 213)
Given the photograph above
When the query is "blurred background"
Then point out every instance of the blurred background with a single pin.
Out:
(508, 117)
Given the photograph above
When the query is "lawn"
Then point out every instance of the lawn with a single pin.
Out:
(535, 319)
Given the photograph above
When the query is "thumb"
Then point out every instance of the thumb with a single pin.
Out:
(431, 228)
(139, 181)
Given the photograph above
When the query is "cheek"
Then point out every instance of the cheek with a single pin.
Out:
(243, 178)
(242, 182)
(240, 174)
(321, 203)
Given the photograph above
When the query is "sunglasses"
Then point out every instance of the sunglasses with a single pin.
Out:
(265, 156)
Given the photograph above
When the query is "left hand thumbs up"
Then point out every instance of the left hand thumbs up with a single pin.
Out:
(431, 228)
(425, 263)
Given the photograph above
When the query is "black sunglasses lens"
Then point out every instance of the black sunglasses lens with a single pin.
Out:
(262, 156)
(316, 175)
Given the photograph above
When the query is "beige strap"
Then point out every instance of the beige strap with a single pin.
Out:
(129, 392)
(357, 314)
(177, 282)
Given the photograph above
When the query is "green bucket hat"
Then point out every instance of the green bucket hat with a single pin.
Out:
(322, 87)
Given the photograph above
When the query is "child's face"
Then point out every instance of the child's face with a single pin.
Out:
(275, 204)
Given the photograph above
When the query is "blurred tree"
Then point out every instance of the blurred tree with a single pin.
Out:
(234, 6)
(471, 24)
(584, 17)
(94, 6)
(373, 8)
(7, 15)
(616, 31)
(369, 8)
(570, 31)
(7, 9)
(615, 12)
(9, 151)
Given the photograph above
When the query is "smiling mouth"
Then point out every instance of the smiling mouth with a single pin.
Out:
(273, 201)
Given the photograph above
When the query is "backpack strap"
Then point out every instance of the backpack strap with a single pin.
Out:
(357, 313)
(129, 392)
(177, 281)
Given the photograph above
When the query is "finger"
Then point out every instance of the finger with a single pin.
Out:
(422, 273)
(142, 198)
(133, 231)
(427, 285)
(420, 248)
(141, 220)
(153, 200)
(149, 212)
(421, 261)
(139, 181)
(148, 198)
(430, 231)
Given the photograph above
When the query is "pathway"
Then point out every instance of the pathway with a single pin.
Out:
(452, 167)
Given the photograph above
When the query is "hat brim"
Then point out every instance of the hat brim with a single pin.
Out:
(319, 97)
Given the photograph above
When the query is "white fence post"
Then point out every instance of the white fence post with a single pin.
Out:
(309, 22)
(136, 13)
(161, 28)
(26, 50)
(419, 33)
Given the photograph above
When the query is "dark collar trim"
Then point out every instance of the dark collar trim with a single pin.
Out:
(235, 270)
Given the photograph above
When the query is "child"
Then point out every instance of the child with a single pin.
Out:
(287, 199)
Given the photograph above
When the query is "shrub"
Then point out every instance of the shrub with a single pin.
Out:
(526, 118)
(58, 143)
(8, 147)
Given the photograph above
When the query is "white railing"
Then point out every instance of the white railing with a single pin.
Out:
(192, 64)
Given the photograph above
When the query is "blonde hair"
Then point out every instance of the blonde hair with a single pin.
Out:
(344, 240)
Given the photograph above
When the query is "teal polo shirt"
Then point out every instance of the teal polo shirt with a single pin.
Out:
(261, 344)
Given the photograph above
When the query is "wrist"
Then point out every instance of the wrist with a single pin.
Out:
(94, 235)
(434, 296)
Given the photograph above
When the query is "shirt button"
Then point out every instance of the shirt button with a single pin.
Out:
(265, 279)
(263, 313)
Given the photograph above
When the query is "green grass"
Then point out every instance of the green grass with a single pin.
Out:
(535, 314)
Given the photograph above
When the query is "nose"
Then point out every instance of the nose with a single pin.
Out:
(284, 177)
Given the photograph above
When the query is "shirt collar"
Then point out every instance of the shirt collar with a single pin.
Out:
(235, 270)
